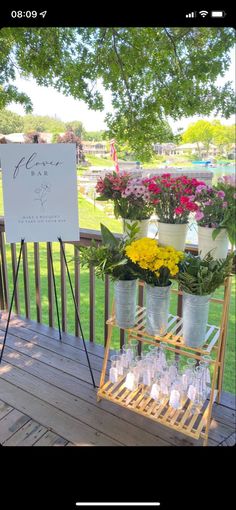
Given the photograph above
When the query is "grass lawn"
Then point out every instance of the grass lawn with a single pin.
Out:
(91, 217)
(99, 161)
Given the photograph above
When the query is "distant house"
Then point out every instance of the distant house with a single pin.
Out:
(164, 148)
(193, 148)
(96, 148)
(15, 138)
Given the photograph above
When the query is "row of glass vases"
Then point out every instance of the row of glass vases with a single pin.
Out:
(164, 378)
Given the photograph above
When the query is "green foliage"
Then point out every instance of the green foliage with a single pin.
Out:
(94, 136)
(109, 257)
(203, 276)
(229, 221)
(223, 136)
(76, 126)
(10, 122)
(43, 123)
(200, 131)
(152, 73)
(209, 132)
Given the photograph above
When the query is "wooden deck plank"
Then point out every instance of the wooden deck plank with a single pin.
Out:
(27, 435)
(54, 419)
(11, 423)
(77, 408)
(4, 409)
(163, 435)
(228, 400)
(51, 439)
(72, 385)
(53, 345)
(224, 415)
(60, 371)
(55, 359)
(52, 333)
(229, 441)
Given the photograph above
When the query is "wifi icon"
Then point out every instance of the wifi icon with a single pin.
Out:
(203, 13)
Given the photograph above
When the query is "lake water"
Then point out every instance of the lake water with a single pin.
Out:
(192, 237)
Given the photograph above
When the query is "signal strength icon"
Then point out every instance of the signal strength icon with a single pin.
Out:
(203, 13)
(191, 15)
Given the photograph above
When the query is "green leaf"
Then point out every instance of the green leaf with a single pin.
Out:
(102, 198)
(108, 238)
(215, 233)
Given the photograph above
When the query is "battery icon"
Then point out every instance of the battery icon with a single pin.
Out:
(218, 14)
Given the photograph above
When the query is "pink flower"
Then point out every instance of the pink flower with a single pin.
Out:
(208, 202)
(225, 204)
(228, 179)
(221, 194)
(200, 188)
(199, 215)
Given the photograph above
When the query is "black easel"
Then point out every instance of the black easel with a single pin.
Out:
(76, 310)
(12, 299)
(56, 300)
(35, 140)
(55, 290)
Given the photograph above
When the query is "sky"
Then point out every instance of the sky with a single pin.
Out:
(47, 101)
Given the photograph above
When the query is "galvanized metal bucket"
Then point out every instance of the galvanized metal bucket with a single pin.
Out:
(125, 302)
(195, 317)
(157, 309)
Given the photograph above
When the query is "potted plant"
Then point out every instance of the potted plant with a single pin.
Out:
(216, 218)
(199, 278)
(131, 199)
(109, 258)
(172, 200)
(155, 265)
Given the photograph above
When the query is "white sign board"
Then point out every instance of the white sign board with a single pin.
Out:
(40, 192)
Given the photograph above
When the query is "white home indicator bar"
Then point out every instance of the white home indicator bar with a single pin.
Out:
(118, 504)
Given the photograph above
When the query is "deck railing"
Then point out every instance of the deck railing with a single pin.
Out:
(7, 274)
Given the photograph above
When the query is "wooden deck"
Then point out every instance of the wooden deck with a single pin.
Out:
(47, 399)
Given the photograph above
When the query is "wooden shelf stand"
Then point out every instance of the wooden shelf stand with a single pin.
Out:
(191, 423)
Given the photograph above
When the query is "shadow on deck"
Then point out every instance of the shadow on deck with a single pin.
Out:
(47, 398)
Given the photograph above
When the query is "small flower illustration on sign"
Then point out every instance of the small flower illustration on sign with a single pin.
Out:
(42, 192)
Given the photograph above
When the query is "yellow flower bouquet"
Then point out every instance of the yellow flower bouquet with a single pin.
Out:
(155, 264)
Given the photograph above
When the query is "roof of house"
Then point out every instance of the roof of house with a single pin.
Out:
(15, 138)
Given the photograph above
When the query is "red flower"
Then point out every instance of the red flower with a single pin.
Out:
(184, 200)
(179, 210)
(191, 206)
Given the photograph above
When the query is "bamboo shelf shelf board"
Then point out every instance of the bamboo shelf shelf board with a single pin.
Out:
(182, 420)
(174, 333)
